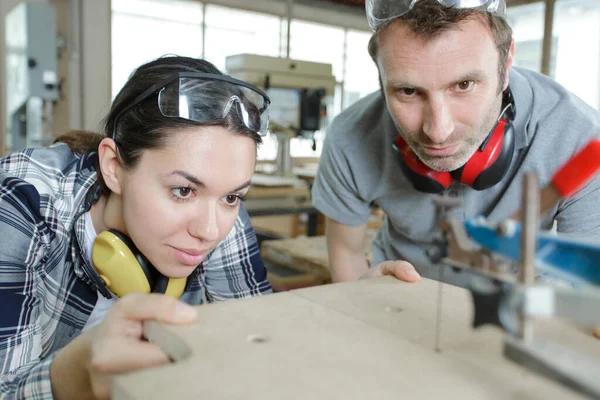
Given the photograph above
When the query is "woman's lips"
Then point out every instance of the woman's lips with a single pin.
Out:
(189, 257)
(440, 151)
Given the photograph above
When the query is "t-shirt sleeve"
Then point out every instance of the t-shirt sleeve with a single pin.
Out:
(335, 188)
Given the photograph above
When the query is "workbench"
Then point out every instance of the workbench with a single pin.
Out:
(367, 339)
(302, 261)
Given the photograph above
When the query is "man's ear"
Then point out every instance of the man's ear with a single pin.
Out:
(109, 165)
(509, 61)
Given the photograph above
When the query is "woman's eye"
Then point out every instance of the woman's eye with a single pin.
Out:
(232, 200)
(183, 192)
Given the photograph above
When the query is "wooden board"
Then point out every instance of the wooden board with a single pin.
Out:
(275, 181)
(279, 225)
(305, 254)
(370, 339)
(307, 173)
(277, 186)
(282, 278)
(275, 191)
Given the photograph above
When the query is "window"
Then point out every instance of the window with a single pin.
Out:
(304, 35)
(230, 31)
(362, 77)
(143, 30)
(575, 57)
(577, 53)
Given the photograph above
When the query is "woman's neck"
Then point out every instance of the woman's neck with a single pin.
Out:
(107, 214)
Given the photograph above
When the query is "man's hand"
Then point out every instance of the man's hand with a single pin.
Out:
(402, 270)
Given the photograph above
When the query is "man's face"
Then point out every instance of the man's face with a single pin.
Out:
(443, 94)
(183, 199)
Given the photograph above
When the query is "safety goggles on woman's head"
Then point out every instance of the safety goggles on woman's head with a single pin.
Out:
(381, 11)
(209, 99)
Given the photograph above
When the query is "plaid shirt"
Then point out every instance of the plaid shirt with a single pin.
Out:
(48, 290)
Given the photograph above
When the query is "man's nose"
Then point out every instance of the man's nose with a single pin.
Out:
(437, 123)
(205, 225)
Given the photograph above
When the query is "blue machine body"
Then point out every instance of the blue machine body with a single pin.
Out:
(565, 258)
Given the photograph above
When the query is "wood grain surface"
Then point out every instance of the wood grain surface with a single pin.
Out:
(369, 339)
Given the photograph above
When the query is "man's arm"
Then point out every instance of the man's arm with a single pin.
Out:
(346, 249)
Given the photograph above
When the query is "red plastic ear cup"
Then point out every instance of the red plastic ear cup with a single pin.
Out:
(421, 176)
(482, 159)
(491, 161)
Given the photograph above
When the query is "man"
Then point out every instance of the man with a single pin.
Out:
(446, 104)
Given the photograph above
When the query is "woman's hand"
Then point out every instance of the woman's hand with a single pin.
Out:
(117, 345)
(84, 368)
(402, 270)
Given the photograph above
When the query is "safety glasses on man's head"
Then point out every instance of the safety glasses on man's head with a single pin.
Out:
(209, 99)
(380, 12)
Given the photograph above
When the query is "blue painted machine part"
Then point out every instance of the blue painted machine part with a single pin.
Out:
(556, 255)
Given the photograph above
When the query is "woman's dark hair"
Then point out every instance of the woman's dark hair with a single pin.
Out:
(143, 126)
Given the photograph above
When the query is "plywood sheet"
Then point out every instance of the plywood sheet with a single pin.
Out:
(370, 339)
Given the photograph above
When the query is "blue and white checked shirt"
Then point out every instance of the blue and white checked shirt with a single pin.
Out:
(48, 290)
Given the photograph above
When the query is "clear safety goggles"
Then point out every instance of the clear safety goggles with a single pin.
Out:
(208, 98)
(381, 11)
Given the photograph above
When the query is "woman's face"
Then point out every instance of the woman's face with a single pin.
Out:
(183, 199)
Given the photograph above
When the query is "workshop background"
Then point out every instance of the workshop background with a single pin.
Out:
(310, 55)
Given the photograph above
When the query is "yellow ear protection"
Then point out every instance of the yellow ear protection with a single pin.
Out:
(125, 270)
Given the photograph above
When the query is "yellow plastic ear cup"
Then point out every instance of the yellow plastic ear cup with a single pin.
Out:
(118, 266)
(175, 287)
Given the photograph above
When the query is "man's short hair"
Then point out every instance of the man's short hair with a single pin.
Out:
(428, 19)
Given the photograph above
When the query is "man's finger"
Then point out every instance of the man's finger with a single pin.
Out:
(402, 270)
(158, 307)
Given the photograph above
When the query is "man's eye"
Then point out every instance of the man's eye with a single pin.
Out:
(408, 91)
(464, 86)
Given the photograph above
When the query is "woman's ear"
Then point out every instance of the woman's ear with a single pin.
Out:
(109, 165)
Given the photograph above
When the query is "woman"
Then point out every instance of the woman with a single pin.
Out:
(165, 182)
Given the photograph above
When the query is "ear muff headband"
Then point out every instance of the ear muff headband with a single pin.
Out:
(125, 270)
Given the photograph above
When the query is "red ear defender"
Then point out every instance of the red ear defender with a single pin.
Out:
(486, 167)
(423, 178)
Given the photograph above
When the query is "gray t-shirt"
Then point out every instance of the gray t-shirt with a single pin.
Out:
(359, 169)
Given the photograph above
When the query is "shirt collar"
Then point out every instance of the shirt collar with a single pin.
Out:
(83, 269)
(523, 96)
